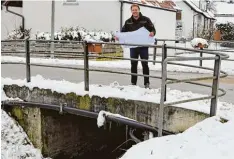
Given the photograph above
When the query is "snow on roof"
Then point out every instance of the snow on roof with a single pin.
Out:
(198, 10)
(224, 8)
(165, 4)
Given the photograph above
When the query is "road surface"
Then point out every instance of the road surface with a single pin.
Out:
(18, 72)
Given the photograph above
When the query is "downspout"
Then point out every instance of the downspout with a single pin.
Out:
(194, 23)
(121, 14)
(23, 21)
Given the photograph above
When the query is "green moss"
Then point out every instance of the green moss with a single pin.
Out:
(19, 115)
(85, 102)
(117, 54)
(71, 96)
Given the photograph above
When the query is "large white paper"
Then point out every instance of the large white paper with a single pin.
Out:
(140, 36)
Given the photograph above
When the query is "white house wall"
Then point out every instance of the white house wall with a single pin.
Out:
(99, 15)
(9, 21)
(187, 19)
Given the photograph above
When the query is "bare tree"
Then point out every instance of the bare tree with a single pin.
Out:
(212, 6)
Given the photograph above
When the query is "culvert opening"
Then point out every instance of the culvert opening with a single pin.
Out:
(72, 136)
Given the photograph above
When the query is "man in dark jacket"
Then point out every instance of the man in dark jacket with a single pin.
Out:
(136, 21)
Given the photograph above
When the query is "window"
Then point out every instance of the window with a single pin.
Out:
(178, 15)
(70, 2)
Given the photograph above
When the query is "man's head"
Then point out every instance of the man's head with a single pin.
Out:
(135, 10)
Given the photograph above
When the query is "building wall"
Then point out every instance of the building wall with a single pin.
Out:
(187, 19)
(99, 15)
(10, 22)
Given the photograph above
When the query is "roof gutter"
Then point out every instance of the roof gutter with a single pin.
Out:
(23, 19)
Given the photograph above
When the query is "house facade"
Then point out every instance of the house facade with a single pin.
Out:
(195, 18)
(93, 15)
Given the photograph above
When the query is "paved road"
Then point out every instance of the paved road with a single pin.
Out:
(18, 72)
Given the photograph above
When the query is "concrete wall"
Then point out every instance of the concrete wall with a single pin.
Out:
(9, 21)
(54, 133)
(175, 119)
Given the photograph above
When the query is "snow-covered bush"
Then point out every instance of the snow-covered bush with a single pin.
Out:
(19, 33)
(199, 43)
(77, 34)
(227, 33)
(227, 30)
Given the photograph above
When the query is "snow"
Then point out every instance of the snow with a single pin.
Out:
(198, 10)
(208, 139)
(224, 19)
(102, 114)
(195, 42)
(226, 110)
(224, 8)
(14, 141)
(73, 34)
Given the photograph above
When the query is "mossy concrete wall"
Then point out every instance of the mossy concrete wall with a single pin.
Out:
(175, 119)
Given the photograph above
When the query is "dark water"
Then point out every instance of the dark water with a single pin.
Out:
(108, 143)
(89, 140)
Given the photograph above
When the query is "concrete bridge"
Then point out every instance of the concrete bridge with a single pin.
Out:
(56, 134)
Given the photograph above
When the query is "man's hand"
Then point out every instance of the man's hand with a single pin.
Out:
(151, 34)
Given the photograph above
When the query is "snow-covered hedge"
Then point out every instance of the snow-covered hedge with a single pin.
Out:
(77, 34)
(18, 33)
(227, 33)
(199, 43)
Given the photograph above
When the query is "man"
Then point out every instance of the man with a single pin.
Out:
(136, 21)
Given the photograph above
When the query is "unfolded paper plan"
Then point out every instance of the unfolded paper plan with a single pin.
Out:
(140, 36)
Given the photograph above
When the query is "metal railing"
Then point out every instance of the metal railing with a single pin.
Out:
(185, 41)
(217, 73)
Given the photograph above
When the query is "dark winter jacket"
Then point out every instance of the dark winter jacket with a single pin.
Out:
(132, 24)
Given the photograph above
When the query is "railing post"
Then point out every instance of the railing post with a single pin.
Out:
(27, 51)
(164, 56)
(162, 98)
(155, 52)
(86, 66)
(201, 55)
(215, 86)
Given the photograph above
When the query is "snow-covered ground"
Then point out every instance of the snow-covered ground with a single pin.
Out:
(203, 138)
(225, 110)
(209, 139)
(15, 143)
